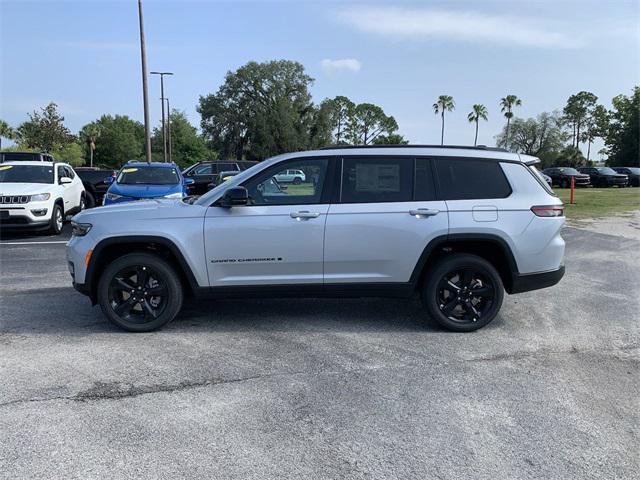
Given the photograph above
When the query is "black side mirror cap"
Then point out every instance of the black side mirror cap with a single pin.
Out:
(234, 197)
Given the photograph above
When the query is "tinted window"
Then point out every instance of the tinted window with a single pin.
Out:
(60, 171)
(424, 188)
(466, 179)
(202, 170)
(227, 166)
(266, 189)
(606, 171)
(26, 174)
(376, 179)
(569, 171)
(69, 172)
(148, 175)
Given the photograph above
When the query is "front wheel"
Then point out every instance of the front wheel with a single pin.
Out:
(297, 181)
(564, 183)
(57, 220)
(140, 292)
(463, 292)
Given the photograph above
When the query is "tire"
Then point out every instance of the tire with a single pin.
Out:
(454, 273)
(128, 303)
(83, 203)
(90, 200)
(57, 219)
(297, 181)
(564, 183)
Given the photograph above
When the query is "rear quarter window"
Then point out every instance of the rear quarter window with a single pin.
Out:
(469, 179)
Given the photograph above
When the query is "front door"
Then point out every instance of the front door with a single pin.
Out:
(278, 238)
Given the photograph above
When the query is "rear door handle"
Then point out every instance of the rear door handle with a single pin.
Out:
(304, 214)
(424, 212)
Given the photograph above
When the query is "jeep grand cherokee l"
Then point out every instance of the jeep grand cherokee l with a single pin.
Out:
(458, 226)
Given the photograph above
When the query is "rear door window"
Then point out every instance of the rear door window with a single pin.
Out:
(471, 178)
(376, 179)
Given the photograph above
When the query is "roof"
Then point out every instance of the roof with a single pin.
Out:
(34, 162)
(141, 163)
(417, 150)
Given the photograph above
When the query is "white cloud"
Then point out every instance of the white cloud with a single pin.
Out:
(331, 67)
(427, 24)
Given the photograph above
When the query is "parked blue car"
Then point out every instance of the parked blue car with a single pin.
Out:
(142, 181)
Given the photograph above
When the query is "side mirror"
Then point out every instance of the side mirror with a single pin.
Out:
(234, 197)
(108, 180)
(188, 181)
(65, 180)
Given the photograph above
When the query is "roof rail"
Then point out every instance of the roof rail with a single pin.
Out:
(458, 147)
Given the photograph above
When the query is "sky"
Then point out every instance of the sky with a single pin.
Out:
(84, 55)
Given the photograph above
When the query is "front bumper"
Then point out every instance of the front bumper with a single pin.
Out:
(535, 281)
(25, 215)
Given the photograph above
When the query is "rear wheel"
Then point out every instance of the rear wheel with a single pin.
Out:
(463, 292)
(90, 200)
(564, 183)
(297, 181)
(140, 292)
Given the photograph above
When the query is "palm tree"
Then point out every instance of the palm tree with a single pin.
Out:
(90, 134)
(477, 113)
(444, 103)
(6, 132)
(507, 103)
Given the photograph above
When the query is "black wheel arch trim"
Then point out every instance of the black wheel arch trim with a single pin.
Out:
(89, 287)
(441, 240)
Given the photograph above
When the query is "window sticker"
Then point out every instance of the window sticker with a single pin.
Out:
(377, 177)
(129, 170)
(6, 167)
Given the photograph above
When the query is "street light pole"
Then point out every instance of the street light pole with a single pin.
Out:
(145, 94)
(164, 131)
(169, 130)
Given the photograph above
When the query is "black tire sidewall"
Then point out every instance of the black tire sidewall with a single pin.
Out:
(446, 265)
(89, 200)
(170, 277)
(53, 226)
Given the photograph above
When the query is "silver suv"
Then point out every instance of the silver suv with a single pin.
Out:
(456, 225)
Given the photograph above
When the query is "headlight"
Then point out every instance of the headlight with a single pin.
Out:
(174, 195)
(113, 196)
(40, 197)
(80, 229)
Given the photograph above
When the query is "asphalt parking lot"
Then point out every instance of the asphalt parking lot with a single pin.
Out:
(322, 388)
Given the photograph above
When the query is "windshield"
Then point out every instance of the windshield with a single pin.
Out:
(239, 178)
(570, 171)
(607, 171)
(148, 175)
(635, 171)
(26, 174)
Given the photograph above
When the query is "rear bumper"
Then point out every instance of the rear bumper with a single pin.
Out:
(535, 281)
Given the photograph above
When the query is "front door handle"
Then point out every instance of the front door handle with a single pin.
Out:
(303, 215)
(424, 212)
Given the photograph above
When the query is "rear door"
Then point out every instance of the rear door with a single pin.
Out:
(382, 218)
(278, 238)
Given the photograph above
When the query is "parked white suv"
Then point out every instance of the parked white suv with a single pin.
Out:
(457, 226)
(38, 194)
(291, 176)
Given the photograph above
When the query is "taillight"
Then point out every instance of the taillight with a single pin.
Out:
(549, 210)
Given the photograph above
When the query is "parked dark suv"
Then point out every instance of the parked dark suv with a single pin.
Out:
(561, 176)
(207, 172)
(605, 177)
(632, 172)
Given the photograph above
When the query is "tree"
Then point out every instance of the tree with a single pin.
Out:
(479, 112)
(619, 128)
(444, 103)
(506, 106)
(542, 136)
(44, 130)
(368, 122)
(121, 139)
(341, 110)
(187, 147)
(578, 108)
(88, 136)
(71, 153)
(262, 109)
(6, 132)
(391, 139)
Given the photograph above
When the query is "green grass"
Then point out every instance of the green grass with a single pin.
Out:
(599, 202)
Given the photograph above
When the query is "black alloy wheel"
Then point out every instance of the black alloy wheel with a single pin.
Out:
(140, 292)
(463, 292)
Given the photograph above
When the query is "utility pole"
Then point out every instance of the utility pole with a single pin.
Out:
(145, 93)
(164, 128)
(169, 131)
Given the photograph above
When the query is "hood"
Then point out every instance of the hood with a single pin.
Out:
(142, 209)
(24, 188)
(144, 191)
